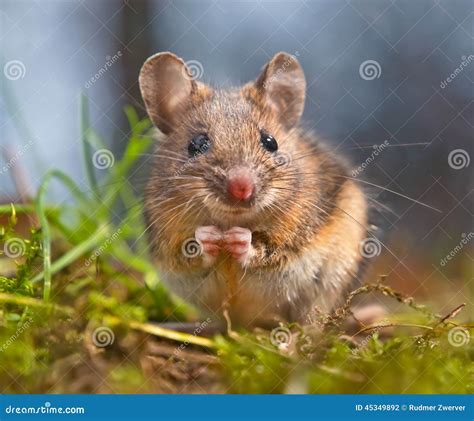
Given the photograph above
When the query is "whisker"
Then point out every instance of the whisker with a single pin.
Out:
(370, 184)
(393, 192)
(170, 157)
(383, 206)
(394, 145)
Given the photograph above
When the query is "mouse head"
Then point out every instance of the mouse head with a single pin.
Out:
(231, 149)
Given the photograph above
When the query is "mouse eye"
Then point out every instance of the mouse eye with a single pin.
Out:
(199, 145)
(268, 142)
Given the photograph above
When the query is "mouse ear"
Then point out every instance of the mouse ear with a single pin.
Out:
(166, 85)
(282, 86)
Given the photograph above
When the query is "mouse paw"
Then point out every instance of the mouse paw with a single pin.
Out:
(238, 241)
(209, 238)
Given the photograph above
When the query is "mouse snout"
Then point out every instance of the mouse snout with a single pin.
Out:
(240, 184)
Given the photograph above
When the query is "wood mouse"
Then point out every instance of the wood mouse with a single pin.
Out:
(248, 212)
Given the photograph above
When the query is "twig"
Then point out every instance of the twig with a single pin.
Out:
(451, 314)
(163, 333)
(34, 302)
(377, 327)
(343, 312)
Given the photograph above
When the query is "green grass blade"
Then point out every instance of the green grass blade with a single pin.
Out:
(132, 117)
(72, 255)
(46, 241)
(41, 212)
(26, 208)
(86, 146)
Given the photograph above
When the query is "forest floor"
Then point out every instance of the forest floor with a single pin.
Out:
(82, 310)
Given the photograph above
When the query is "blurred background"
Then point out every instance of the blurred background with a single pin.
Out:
(398, 73)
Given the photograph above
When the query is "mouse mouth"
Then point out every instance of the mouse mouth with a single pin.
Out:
(234, 207)
(233, 194)
(222, 209)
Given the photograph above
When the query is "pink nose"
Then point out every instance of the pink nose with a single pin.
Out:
(240, 184)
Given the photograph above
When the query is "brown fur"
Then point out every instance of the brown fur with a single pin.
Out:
(307, 219)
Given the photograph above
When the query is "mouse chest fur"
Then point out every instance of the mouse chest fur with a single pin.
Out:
(306, 284)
